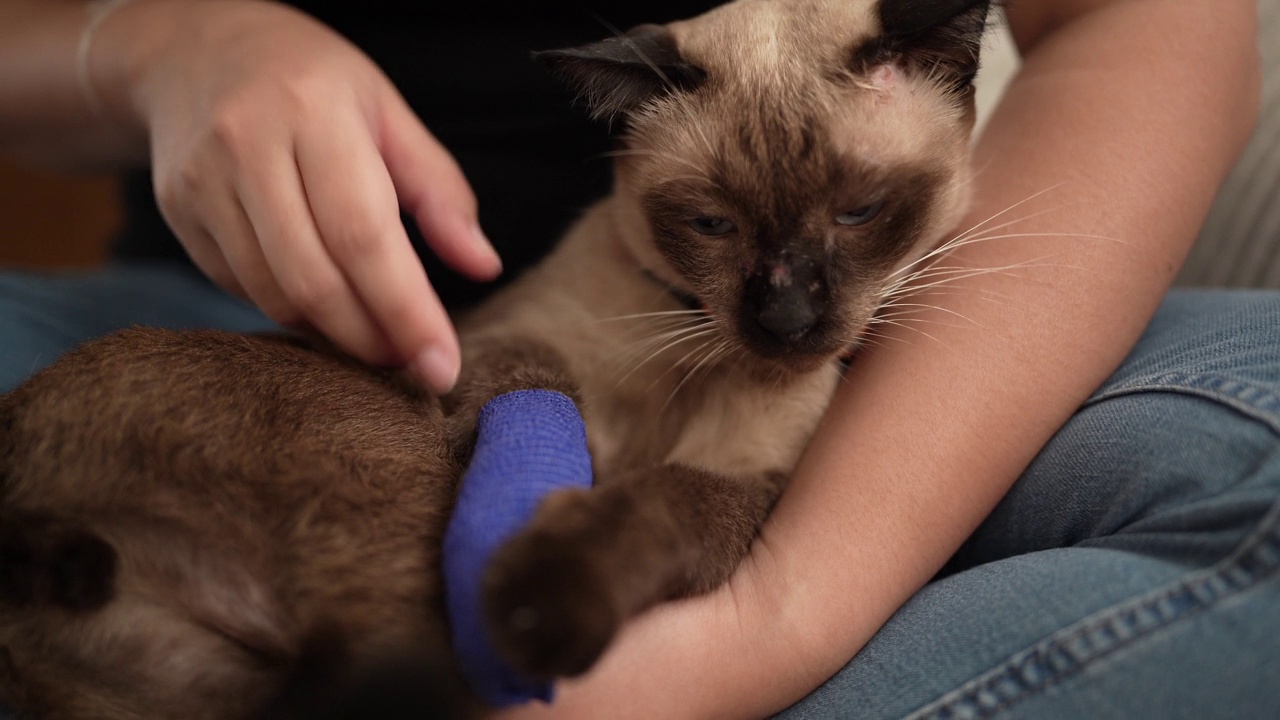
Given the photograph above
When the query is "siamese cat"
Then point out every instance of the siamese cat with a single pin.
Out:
(207, 525)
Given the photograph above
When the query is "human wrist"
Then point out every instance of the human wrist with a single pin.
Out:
(714, 655)
(785, 628)
(116, 51)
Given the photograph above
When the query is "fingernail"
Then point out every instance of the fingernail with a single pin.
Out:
(494, 258)
(437, 368)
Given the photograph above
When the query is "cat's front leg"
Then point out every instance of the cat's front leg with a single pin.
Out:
(518, 431)
(557, 593)
(495, 366)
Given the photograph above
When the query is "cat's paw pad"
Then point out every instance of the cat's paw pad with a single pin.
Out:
(547, 609)
(46, 561)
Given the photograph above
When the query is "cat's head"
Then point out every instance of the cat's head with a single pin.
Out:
(781, 160)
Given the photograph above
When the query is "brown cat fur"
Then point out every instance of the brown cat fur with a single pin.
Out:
(204, 525)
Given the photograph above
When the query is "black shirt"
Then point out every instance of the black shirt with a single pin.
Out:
(465, 68)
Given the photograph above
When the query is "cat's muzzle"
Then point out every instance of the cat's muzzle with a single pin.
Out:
(785, 301)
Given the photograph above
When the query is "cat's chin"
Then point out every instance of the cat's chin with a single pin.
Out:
(806, 350)
(772, 367)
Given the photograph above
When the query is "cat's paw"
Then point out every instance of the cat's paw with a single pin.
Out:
(48, 561)
(547, 607)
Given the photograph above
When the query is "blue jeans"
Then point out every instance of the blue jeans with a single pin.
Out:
(45, 315)
(1131, 572)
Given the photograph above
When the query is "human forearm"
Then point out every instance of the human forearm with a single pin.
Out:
(1126, 119)
(46, 115)
(281, 155)
(1131, 112)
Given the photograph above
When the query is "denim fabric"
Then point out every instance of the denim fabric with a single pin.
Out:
(45, 315)
(1131, 572)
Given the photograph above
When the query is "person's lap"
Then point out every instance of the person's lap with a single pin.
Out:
(1130, 571)
(43, 315)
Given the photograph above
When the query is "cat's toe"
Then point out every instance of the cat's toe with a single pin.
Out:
(547, 608)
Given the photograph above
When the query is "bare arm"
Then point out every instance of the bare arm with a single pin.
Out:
(1133, 110)
(281, 157)
(44, 116)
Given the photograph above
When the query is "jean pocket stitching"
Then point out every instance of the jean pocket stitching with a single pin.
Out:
(1256, 401)
(1070, 650)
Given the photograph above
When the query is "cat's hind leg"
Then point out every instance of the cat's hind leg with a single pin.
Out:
(132, 615)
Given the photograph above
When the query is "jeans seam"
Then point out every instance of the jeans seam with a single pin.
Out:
(1255, 401)
(1070, 650)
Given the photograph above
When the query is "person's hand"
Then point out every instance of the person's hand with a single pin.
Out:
(281, 157)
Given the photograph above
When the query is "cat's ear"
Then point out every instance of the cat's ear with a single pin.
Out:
(615, 76)
(941, 37)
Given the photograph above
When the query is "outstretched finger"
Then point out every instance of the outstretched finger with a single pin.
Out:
(432, 188)
(272, 193)
(357, 217)
(223, 216)
(205, 254)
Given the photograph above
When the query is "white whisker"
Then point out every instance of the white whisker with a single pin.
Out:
(869, 332)
(700, 332)
(644, 344)
(901, 324)
(718, 349)
(663, 334)
(660, 313)
(957, 274)
(917, 307)
(949, 245)
(909, 318)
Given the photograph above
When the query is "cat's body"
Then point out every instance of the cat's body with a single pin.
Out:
(248, 503)
(198, 525)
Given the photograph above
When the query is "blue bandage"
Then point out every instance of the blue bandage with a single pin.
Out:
(528, 443)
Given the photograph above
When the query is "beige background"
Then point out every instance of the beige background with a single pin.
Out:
(53, 220)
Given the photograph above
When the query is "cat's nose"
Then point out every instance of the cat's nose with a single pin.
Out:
(789, 299)
(788, 317)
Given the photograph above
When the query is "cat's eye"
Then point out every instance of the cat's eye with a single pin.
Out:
(713, 226)
(860, 216)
